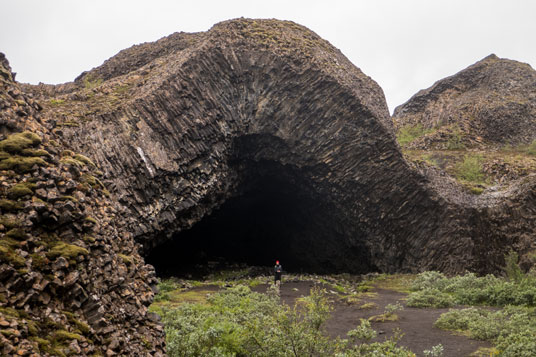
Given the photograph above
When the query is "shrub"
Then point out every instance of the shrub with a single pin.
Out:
(430, 297)
(240, 322)
(470, 169)
(513, 272)
(513, 329)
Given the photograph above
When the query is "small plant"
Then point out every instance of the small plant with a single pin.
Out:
(513, 272)
(391, 308)
(436, 351)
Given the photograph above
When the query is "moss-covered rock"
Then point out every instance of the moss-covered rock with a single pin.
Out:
(21, 189)
(16, 233)
(68, 251)
(21, 164)
(8, 222)
(10, 206)
(8, 254)
(15, 143)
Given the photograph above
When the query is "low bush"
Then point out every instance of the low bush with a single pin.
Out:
(433, 289)
(512, 329)
(239, 322)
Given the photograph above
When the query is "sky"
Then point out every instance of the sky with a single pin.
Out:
(404, 45)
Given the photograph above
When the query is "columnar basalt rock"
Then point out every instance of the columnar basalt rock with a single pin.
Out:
(166, 134)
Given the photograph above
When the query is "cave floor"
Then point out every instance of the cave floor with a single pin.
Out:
(416, 324)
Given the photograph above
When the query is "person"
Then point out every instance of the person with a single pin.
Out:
(277, 273)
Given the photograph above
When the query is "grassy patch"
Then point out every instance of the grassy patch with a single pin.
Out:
(396, 282)
(409, 133)
(470, 169)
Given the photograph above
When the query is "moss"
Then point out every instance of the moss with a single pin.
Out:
(8, 332)
(21, 164)
(128, 260)
(39, 261)
(15, 143)
(42, 344)
(56, 101)
(34, 152)
(92, 181)
(66, 160)
(9, 312)
(20, 190)
(53, 143)
(84, 159)
(89, 239)
(8, 223)
(63, 335)
(4, 155)
(67, 153)
(16, 233)
(68, 251)
(90, 219)
(81, 326)
(7, 252)
(10, 206)
(33, 330)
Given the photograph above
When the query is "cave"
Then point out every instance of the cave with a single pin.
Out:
(273, 212)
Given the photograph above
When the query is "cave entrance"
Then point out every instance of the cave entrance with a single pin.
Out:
(273, 213)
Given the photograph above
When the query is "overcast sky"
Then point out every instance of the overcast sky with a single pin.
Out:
(403, 45)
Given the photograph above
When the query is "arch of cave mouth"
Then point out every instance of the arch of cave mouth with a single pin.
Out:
(273, 213)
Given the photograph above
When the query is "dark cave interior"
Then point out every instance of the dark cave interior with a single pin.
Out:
(274, 213)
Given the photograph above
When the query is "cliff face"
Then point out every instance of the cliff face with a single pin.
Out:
(71, 283)
(255, 134)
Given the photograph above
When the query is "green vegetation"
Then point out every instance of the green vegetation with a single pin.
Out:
(21, 189)
(409, 133)
(512, 329)
(455, 140)
(469, 289)
(56, 101)
(21, 164)
(126, 259)
(7, 252)
(470, 169)
(10, 206)
(68, 251)
(240, 322)
(15, 143)
(91, 82)
(8, 222)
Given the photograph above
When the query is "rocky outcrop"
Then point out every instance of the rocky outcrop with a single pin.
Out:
(490, 103)
(257, 133)
(71, 283)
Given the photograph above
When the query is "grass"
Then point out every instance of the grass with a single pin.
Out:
(409, 133)
(470, 169)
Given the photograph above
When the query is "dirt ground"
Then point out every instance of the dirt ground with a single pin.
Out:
(416, 324)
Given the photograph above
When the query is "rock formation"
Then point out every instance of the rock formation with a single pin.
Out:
(492, 102)
(253, 139)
